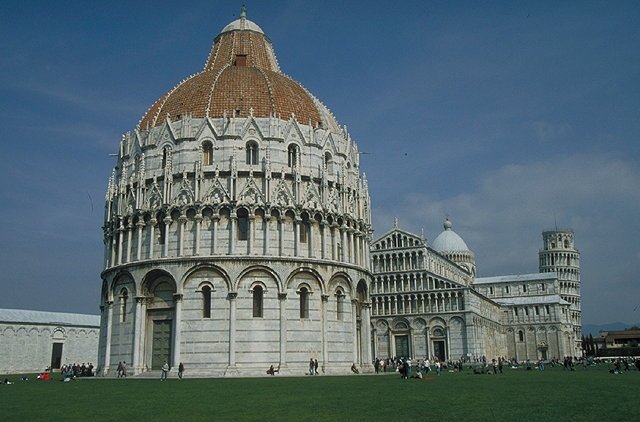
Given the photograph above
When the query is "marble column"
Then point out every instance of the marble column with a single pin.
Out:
(198, 219)
(177, 324)
(232, 328)
(152, 226)
(136, 367)
(282, 298)
(325, 334)
(354, 327)
(139, 225)
(107, 350)
(167, 225)
(183, 222)
(266, 225)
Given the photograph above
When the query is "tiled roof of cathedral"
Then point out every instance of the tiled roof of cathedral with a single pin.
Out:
(241, 77)
(515, 278)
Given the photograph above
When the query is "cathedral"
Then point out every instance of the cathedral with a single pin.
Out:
(238, 235)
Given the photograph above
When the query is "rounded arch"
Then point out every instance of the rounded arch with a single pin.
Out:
(419, 324)
(310, 274)
(122, 279)
(161, 286)
(400, 324)
(247, 272)
(340, 279)
(362, 291)
(192, 272)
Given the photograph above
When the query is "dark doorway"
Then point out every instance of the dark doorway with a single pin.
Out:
(402, 346)
(439, 349)
(161, 347)
(56, 356)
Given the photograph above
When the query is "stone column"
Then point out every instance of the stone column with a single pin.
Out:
(323, 239)
(129, 235)
(152, 226)
(167, 225)
(251, 221)
(296, 236)
(136, 335)
(266, 225)
(311, 239)
(282, 298)
(354, 327)
(280, 236)
(120, 242)
(139, 225)
(177, 324)
(325, 334)
(232, 328)
(198, 219)
(232, 233)
(214, 235)
(447, 333)
(183, 222)
(107, 350)
(343, 236)
(426, 332)
(334, 242)
(366, 327)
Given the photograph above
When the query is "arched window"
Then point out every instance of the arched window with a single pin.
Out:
(124, 295)
(340, 305)
(252, 153)
(258, 299)
(165, 157)
(206, 302)
(304, 228)
(520, 335)
(243, 224)
(304, 302)
(136, 164)
(292, 155)
(207, 153)
(524, 288)
(328, 162)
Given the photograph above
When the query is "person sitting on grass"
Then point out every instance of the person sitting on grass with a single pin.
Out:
(354, 369)
(272, 371)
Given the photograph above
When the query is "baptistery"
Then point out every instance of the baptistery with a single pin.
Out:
(237, 226)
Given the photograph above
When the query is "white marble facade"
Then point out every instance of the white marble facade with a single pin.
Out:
(31, 341)
(237, 242)
(427, 302)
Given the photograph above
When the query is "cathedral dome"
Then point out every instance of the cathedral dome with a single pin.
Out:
(241, 77)
(449, 241)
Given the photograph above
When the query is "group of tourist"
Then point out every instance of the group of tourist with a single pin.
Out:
(74, 371)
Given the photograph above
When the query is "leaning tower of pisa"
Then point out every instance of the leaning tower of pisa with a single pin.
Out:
(560, 255)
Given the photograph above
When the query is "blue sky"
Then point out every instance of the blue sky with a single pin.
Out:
(510, 117)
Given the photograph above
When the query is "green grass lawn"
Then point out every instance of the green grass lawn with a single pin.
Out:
(517, 395)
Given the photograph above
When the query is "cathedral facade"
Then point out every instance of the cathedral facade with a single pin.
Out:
(237, 235)
(428, 303)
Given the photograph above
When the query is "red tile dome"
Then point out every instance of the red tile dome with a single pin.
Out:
(241, 76)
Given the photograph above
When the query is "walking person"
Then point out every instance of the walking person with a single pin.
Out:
(315, 367)
(180, 370)
(165, 370)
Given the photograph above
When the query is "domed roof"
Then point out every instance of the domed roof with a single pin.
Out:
(449, 241)
(241, 77)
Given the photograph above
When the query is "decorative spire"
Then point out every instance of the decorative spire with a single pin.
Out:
(396, 223)
(243, 12)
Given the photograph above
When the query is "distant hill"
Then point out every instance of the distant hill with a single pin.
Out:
(594, 329)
